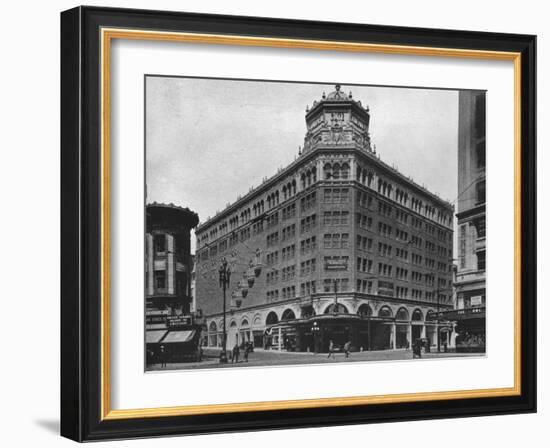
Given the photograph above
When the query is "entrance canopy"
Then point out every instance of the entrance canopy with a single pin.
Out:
(152, 337)
(179, 336)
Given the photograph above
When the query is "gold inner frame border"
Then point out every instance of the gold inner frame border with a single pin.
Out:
(107, 35)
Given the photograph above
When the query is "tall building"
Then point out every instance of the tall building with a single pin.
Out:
(470, 278)
(169, 323)
(338, 245)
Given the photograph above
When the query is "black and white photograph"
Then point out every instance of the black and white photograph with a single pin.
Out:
(306, 223)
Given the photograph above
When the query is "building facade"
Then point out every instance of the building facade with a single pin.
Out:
(170, 329)
(470, 278)
(336, 246)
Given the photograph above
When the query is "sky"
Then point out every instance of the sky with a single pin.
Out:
(209, 141)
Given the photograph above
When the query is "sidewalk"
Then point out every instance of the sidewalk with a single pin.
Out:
(261, 357)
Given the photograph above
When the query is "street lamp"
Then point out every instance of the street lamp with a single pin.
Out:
(225, 277)
(335, 282)
(315, 330)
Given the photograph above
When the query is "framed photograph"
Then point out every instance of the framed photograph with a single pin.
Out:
(272, 223)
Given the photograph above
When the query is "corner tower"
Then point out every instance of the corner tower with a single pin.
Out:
(337, 120)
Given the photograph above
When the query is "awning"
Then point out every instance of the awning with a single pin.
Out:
(154, 336)
(179, 336)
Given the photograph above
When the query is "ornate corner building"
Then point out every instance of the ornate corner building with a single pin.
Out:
(336, 246)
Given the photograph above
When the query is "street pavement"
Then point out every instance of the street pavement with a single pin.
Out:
(260, 358)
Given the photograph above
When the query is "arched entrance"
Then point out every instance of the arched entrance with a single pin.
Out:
(271, 338)
(257, 331)
(287, 333)
(382, 329)
(417, 324)
(431, 328)
(244, 331)
(213, 334)
(365, 331)
(402, 325)
(232, 335)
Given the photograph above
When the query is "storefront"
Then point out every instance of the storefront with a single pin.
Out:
(313, 334)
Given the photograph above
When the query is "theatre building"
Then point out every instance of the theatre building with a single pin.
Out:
(169, 322)
(338, 245)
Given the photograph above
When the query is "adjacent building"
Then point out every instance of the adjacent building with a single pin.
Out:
(169, 323)
(471, 264)
(336, 246)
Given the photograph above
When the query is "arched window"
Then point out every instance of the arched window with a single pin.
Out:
(370, 176)
(336, 308)
(336, 171)
(288, 314)
(402, 314)
(213, 327)
(430, 315)
(385, 311)
(327, 171)
(364, 310)
(345, 171)
(271, 318)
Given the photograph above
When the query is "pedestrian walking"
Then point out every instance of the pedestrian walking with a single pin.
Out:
(331, 349)
(162, 357)
(347, 347)
(246, 351)
(417, 348)
(235, 358)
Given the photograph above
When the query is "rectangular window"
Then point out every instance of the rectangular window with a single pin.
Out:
(160, 243)
(481, 260)
(480, 192)
(160, 280)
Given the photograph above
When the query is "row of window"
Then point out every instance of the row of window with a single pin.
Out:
(364, 243)
(342, 195)
(362, 286)
(308, 201)
(288, 252)
(364, 265)
(336, 218)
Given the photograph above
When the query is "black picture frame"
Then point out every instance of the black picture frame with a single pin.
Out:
(81, 412)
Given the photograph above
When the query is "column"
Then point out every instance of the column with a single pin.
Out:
(393, 336)
(150, 265)
(452, 342)
(170, 279)
(280, 339)
(423, 332)
(409, 335)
